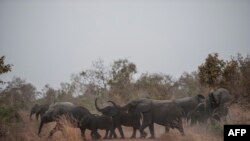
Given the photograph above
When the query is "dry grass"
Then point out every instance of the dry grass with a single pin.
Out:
(27, 130)
(195, 133)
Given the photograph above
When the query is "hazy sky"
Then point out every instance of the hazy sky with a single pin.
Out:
(48, 40)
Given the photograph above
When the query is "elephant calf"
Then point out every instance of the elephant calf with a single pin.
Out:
(94, 122)
(129, 119)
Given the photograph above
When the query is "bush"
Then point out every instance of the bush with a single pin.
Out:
(8, 115)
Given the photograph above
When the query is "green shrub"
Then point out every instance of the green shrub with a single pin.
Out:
(8, 114)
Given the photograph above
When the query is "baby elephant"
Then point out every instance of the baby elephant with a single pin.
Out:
(95, 122)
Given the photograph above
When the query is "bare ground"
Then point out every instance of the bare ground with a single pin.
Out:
(27, 130)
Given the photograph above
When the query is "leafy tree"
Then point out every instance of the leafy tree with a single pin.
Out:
(244, 66)
(4, 68)
(158, 86)
(231, 76)
(18, 94)
(50, 94)
(95, 80)
(210, 72)
(189, 85)
(121, 73)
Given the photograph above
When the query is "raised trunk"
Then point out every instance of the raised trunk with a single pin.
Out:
(123, 108)
(114, 104)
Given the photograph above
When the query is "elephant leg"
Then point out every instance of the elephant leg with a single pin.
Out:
(95, 135)
(55, 129)
(166, 129)
(83, 133)
(151, 129)
(114, 134)
(106, 134)
(143, 133)
(147, 122)
(121, 132)
(134, 133)
(178, 125)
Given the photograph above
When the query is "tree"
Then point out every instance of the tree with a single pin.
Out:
(210, 72)
(189, 85)
(95, 80)
(18, 94)
(4, 68)
(158, 86)
(231, 76)
(50, 94)
(121, 73)
(244, 66)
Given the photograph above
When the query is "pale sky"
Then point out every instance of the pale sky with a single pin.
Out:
(48, 40)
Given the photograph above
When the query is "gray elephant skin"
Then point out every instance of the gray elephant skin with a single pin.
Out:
(75, 114)
(216, 106)
(120, 118)
(54, 112)
(38, 110)
(189, 103)
(163, 112)
(95, 122)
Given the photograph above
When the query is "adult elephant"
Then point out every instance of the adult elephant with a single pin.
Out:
(54, 112)
(163, 112)
(129, 119)
(190, 103)
(216, 107)
(76, 114)
(38, 110)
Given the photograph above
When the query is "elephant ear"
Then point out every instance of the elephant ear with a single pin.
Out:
(200, 98)
(143, 106)
(200, 107)
(113, 112)
(213, 102)
(85, 121)
(110, 111)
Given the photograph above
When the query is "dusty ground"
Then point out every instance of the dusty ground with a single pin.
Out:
(27, 131)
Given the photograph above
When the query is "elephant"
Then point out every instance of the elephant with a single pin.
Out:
(163, 112)
(39, 110)
(220, 100)
(129, 118)
(95, 122)
(54, 112)
(75, 114)
(121, 118)
(189, 103)
(215, 107)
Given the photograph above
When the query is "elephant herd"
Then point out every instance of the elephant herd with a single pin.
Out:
(138, 114)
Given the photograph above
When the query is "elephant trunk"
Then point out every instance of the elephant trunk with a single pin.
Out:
(37, 115)
(112, 102)
(31, 113)
(125, 107)
(96, 106)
